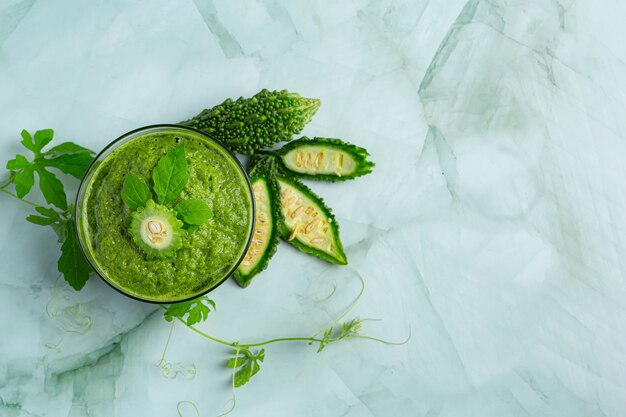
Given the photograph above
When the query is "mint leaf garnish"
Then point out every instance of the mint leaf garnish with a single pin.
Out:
(72, 263)
(193, 211)
(135, 192)
(196, 310)
(170, 175)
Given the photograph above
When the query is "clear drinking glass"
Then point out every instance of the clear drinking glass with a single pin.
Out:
(82, 227)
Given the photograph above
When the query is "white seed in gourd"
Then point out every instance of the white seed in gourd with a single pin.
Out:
(154, 227)
(294, 233)
(311, 226)
(246, 263)
(317, 240)
(297, 212)
(318, 160)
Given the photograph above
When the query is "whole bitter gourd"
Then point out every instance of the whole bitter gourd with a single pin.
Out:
(267, 224)
(323, 159)
(249, 124)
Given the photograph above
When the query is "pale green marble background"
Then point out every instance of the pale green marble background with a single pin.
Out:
(494, 225)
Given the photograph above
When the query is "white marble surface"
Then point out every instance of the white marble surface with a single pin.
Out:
(493, 226)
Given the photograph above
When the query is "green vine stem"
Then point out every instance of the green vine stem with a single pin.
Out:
(188, 372)
(310, 339)
(181, 403)
(15, 196)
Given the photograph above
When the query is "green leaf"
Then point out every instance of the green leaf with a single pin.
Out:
(24, 181)
(196, 310)
(170, 175)
(193, 211)
(42, 138)
(247, 364)
(236, 361)
(42, 221)
(48, 212)
(48, 217)
(190, 228)
(20, 162)
(135, 192)
(27, 141)
(68, 148)
(74, 164)
(52, 188)
(72, 263)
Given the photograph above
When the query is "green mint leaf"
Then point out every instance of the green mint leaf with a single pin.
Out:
(135, 192)
(190, 228)
(42, 221)
(42, 138)
(74, 164)
(20, 162)
(27, 141)
(170, 175)
(72, 263)
(52, 188)
(68, 148)
(196, 310)
(193, 211)
(24, 181)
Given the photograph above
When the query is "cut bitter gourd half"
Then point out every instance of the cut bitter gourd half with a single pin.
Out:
(268, 219)
(309, 224)
(156, 230)
(324, 159)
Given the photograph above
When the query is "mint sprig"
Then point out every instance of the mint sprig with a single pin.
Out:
(68, 158)
(170, 177)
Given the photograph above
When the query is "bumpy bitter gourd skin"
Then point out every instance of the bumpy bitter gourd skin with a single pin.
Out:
(156, 231)
(309, 225)
(268, 221)
(249, 124)
(324, 159)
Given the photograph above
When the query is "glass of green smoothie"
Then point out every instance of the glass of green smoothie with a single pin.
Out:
(205, 256)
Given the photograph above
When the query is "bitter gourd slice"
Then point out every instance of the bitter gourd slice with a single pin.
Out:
(156, 230)
(249, 124)
(309, 225)
(268, 219)
(324, 159)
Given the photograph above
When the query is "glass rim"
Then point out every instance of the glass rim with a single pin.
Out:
(103, 154)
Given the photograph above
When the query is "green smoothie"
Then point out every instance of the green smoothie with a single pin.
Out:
(207, 255)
